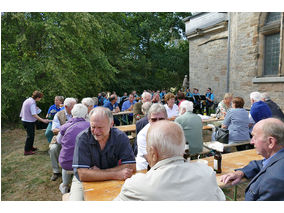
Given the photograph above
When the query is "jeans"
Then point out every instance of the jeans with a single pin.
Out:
(30, 129)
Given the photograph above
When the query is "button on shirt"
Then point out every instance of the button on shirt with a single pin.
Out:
(88, 153)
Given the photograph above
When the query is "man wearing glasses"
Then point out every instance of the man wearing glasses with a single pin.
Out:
(156, 112)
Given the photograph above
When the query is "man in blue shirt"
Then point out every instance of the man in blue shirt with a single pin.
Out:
(259, 109)
(209, 100)
(128, 106)
(267, 179)
(113, 107)
(102, 152)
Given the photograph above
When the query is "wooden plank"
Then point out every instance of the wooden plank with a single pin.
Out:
(122, 113)
(127, 128)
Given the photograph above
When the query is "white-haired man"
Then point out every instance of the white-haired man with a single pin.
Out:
(89, 103)
(67, 138)
(60, 118)
(101, 152)
(156, 112)
(192, 127)
(170, 177)
(275, 109)
(137, 108)
(267, 179)
(259, 109)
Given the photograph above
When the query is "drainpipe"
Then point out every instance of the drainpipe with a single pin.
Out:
(229, 53)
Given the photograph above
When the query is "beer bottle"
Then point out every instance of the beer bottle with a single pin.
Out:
(186, 154)
(217, 162)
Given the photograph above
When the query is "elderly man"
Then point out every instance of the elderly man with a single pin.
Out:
(156, 112)
(170, 177)
(259, 109)
(101, 153)
(113, 107)
(267, 175)
(128, 106)
(89, 103)
(275, 109)
(60, 118)
(67, 138)
(137, 108)
(192, 127)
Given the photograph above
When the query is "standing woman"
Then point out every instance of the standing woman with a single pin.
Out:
(29, 116)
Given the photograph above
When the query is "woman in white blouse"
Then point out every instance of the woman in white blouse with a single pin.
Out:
(171, 107)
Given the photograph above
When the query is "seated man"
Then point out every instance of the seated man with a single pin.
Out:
(192, 127)
(113, 107)
(259, 109)
(101, 153)
(89, 103)
(128, 106)
(60, 118)
(267, 175)
(275, 109)
(137, 108)
(170, 177)
(156, 112)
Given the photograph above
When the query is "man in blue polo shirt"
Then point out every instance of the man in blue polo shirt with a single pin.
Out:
(113, 107)
(101, 153)
(128, 106)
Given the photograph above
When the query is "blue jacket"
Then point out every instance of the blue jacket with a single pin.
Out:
(267, 182)
(260, 110)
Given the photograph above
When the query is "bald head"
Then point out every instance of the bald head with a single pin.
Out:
(273, 127)
(167, 138)
(102, 112)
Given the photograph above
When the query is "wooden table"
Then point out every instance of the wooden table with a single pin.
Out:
(127, 128)
(211, 120)
(103, 190)
(122, 113)
(233, 161)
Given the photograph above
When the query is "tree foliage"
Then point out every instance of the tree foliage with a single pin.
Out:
(81, 54)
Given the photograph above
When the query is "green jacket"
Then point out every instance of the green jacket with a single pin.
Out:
(192, 127)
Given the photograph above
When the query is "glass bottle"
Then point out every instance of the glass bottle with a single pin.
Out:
(218, 162)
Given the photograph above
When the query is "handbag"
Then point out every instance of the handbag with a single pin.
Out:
(222, 135)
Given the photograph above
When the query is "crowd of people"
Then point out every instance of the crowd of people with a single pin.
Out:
(84, 143)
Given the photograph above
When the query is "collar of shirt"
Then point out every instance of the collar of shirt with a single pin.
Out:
(266, 161)
(167, 161)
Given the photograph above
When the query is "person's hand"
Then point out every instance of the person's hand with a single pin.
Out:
(232, 178)
(46, 121)
(125, 173)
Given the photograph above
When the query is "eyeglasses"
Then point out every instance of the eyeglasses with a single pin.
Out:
(157, 119)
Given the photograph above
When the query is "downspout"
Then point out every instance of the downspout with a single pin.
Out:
(229, 53)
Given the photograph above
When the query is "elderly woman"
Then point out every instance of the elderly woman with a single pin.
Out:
(67, 138)
(224, 105)
(53, 109)
(237, 121)
(171, 107)
(29, 115)
(89, 103)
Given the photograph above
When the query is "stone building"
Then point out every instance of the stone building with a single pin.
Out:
(237, 52)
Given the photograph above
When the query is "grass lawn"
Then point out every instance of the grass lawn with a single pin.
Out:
(27, 178)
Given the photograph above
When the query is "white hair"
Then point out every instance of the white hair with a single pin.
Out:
(79, 111)
(265, 96)
(256, 96)
(88, 102)
(145, 94)
(187, 105)
(157, 108)
(69, 101)
(104, 111)
(167, 137)
(145, 107)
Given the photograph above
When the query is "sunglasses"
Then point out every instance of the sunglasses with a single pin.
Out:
(157, 119)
